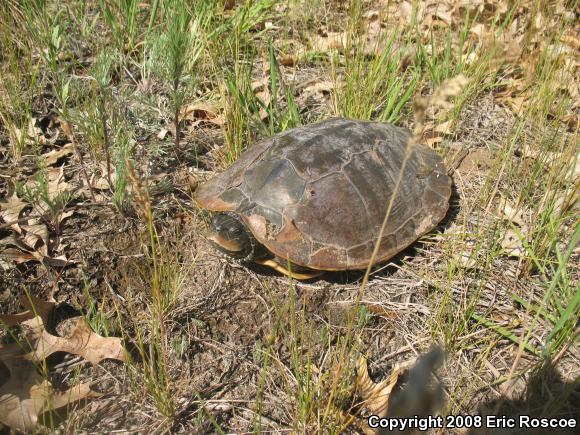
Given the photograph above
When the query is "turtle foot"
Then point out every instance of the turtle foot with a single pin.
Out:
(295, 275)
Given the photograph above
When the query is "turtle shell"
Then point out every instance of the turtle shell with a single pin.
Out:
(317, 195)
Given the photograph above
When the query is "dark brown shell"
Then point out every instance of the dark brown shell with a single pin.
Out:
(317, 195)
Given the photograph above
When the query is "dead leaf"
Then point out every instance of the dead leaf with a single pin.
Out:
(82, 341)
(25, 394)
(517, 104)
(381, 310)
(430, 141)
(14, 240)
(512, 243)
(162, 133)
(477, 159)
(288, 60)
(444, 128)
(36, 236)
(57, 183)
(65, 215)
(376, 35)
(511, 213)
(550, 158)
(443, 14)
(465, 259)
(571, 119)
(202, 111)
(440, 99)
(11, 211)
(327, 41)
(81, 391)
(19, 256)
(375, 396)
(60, 261)
(66, 128)
(405, 10)
(29, 134)
(24, 254)
(52, 157)
(33, 307)
(262, 92)
(314, 91)
(509, 45)
(570, 38)
(32, 235)
(100, 180)
(480, 31)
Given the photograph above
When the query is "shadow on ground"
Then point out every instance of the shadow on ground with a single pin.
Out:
(547, 395)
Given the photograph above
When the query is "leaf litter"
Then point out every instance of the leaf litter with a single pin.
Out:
(30, 236)
(418, 397)
(428, 15)
(25, 393)
(29, 239)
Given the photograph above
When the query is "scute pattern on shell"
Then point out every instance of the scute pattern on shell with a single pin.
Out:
(317, 195)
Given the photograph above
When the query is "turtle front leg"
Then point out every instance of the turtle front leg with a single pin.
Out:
(279, 268)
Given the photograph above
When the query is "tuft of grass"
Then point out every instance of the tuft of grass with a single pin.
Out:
(163, 277)
(561, 300)
(94, 313)
(247, 115)
(50, 203)
(321, 389)
(542, 185)
(375, 88)
(22, 78)
(123, 154)
(280, 117)
(174, 47)
(121, 18)
(239, 107)
(170, 47)
(103, 75)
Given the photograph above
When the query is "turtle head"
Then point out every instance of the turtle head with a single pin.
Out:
(230, 235)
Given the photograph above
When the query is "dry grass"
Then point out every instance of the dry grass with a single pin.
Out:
(158, 96)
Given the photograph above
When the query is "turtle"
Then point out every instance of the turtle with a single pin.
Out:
(313, 198)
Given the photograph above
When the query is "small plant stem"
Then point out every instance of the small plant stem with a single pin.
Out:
(177, 146)
(176, 116)
(69, 133)
(143, 201)
(106, 140)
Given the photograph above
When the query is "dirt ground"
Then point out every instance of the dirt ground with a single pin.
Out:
(226, 316)
(226, 311)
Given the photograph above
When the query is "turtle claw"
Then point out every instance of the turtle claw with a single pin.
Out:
(295, 275)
